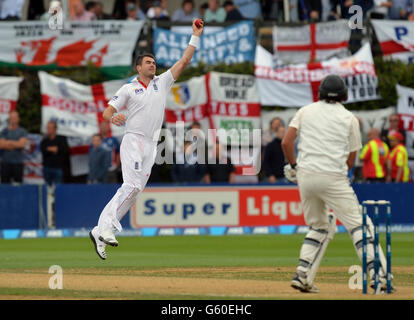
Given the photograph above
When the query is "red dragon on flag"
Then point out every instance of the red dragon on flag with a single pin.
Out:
(38, 52)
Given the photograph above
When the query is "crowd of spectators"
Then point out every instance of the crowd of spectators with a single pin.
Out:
(215, 10)
(383, 158)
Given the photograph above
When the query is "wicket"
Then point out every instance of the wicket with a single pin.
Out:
(376, 205)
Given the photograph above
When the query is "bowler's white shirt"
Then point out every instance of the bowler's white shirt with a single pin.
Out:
(145, 105)
(327, 134)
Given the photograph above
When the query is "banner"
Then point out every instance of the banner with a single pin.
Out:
(297, 85)
(76, 108)
(33, 160)
(186, 103)
(233, 44)
(405, 109)
(234, 106)
(196, 207)
(9, 94)
(217, 206)
(309, 43)
(396, 39)
(103, 43)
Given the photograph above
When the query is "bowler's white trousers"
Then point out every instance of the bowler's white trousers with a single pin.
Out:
(137, 154)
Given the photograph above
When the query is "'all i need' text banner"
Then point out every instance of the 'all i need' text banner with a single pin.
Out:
(233, 44)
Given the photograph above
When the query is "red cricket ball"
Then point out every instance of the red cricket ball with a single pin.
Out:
(198, 23)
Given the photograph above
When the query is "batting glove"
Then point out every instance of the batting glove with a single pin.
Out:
(290, 172)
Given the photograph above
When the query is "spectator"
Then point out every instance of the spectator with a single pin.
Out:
(186, 13)
(232, 14)
(380, 9)
(343, 13)
(187, 167)
(394, 125)
(201, 148)
(158, 11)
(374, 157)
(219, 169)
(274, 159)
(310, 10)
(79, 12)
(111, 145)
(400, 9)
(11, 9)
(249, 9)
(96, 8)
(214, 13)
(270, 134)
(35, 9)
(131, 10)
(54, 150)
(99, 161)
(203, 9)
(398, 170)
(13, 139)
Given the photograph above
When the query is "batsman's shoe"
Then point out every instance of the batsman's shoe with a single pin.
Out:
(108, 237)
(299, 284)
(99, 245)
(383, 286)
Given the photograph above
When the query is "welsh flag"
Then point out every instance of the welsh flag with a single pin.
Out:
(107, 44)
(396, 39)
(297, 85)
(309, 43)
(9, 94)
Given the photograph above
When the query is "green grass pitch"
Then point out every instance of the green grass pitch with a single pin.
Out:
(149, 253)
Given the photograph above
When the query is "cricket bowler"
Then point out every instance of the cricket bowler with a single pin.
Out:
(145, 99)
(329, 138)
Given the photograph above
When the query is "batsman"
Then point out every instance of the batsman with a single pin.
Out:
(329, 138)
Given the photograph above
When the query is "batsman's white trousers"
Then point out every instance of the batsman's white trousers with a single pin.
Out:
(137, 158)
(319, 190)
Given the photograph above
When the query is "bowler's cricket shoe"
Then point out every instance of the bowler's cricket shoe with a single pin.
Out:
(108, 237)
(299, 284)
(99, 245)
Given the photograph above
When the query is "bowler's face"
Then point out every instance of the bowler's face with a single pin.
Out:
(147, 68)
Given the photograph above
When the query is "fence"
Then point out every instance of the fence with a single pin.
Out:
(181, 207)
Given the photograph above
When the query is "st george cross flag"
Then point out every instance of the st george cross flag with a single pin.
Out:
(297, 85)
(235, 110)
(76, 108)
(309, 43)
(234, 105)
(405, 109)
(396, 39)
(9, 94)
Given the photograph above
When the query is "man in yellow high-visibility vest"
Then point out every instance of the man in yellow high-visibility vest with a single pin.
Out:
(398, 170)
(374, 156)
